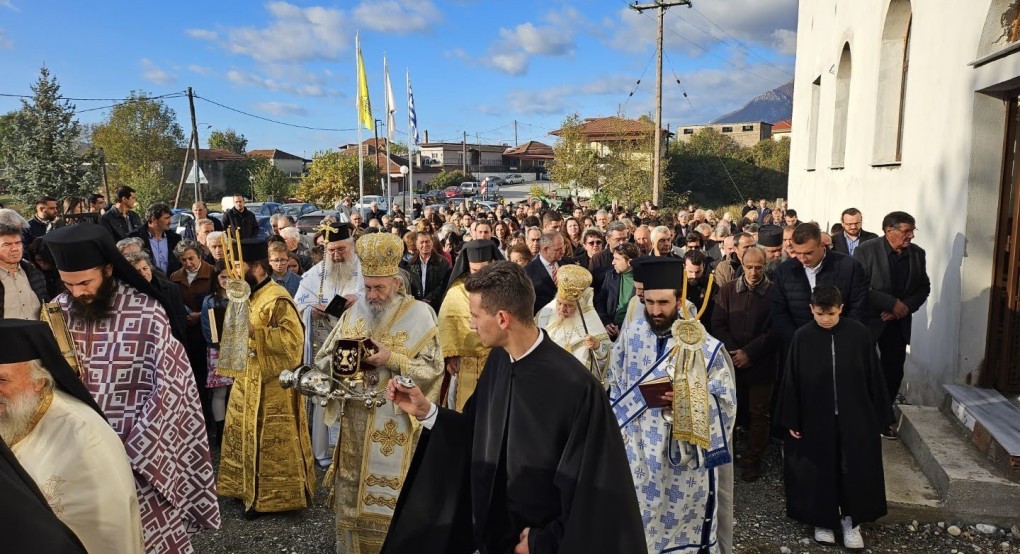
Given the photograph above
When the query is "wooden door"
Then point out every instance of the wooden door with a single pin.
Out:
(1002, 360)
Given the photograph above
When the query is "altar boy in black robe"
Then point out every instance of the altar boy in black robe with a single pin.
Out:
(534, 464)
(834, 405)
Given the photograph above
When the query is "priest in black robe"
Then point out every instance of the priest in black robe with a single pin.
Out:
(834, 404)
(535, 463)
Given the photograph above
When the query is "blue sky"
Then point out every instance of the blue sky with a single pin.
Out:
(476, 65)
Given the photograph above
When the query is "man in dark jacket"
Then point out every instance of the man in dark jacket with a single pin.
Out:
(45, 217)
(542, 268)
(898, 286)
(120, 220)
(698, 286)
(601, 264)
(241, 219)
(429, 271)
(26, 284)
(742, 321)
(158, 241)
(853, 235)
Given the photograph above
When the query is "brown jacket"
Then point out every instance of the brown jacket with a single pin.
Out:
(194, 293)
(742, 321)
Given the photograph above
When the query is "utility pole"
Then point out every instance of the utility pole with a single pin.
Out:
(463, 153)
(515, 132)
(661, 6)
(194, 134)
(376, 156)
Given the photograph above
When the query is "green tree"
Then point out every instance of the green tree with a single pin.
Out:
(142, 141)
(399, 148)
(41, 147)
(228, 140)
(333, 175)
(446, 178)
(576, 162)
(268, 181)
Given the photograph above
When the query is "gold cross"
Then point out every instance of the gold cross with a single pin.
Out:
(388, 437)
(326, 228)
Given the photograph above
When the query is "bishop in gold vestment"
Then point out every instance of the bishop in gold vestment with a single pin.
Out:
(463, 353)
(376, 443)
(266, 458)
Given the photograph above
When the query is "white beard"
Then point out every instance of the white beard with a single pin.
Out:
(339, 274)
(379, 313)
(18, 413)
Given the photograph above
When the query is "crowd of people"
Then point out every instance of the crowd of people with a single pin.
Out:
(577, 377)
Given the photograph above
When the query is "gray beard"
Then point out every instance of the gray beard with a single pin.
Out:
(18, 413)
(339, 274)
(379, 313)
(572, 321)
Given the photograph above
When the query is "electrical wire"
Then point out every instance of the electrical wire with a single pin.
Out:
(746, 48)
(167, 95)
(276, 121)
(638, 83)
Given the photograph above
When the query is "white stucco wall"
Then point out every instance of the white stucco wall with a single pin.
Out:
(951, 160)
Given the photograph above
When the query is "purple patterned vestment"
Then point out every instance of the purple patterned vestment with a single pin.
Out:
(140, 376)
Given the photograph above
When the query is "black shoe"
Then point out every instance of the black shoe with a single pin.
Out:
(890, 433)
(218, 442)
(251, 514)
(750, 473)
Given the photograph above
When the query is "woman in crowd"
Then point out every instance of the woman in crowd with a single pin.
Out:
(214, 307)
(194, 281)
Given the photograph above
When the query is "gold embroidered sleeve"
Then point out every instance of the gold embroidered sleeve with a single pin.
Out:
(280, 343)
(426, 368)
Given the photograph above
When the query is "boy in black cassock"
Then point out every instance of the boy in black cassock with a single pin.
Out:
(834, 404)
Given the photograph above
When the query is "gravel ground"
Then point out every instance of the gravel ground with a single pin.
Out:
(762, 528)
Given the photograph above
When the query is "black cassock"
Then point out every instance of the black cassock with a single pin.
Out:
(838, 459)
(27, 524)
(537, 446)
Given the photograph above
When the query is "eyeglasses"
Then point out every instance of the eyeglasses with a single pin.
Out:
(594, 243)
(278, 260)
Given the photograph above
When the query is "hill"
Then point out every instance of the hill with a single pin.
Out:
(775, 105)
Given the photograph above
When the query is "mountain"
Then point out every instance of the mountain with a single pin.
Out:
(775, 105)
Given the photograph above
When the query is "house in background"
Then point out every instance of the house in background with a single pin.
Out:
(291, 165)
(530, 156)
(747, 134)
(451, 155)
(781, 129)
(608, 134)
(214, 163)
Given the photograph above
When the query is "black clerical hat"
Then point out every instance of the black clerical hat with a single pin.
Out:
(254, 250)
(480, 250)
(25, 340)
(85, 246)
(662, 272)
(637, 268)
(336, 231)
(770, 235)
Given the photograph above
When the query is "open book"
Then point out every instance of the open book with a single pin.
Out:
(653, 390)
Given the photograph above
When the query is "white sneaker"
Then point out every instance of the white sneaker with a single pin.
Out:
(852, 535)
(825, 536)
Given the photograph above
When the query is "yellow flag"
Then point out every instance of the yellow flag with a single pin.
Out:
(364, 105)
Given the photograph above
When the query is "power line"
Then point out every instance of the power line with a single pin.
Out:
(278, 122)
(746, 49)
(638, 83)
(167, 95)
(132, 100)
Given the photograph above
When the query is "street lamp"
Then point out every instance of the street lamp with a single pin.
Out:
(404, 170)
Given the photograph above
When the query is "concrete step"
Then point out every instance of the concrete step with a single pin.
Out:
(993, 422)
(908, 493)
(968, 485)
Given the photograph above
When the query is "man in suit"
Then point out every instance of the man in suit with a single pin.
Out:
(429, 271)
(158, 240)
(542, 269)
(602, 262)
(898, 286)
(241, 219)
(853, 235)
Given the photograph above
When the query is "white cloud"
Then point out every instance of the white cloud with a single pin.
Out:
(200, 69)
(512, 52)
(771, 25)
(10, 6)
(280, 109)
(563, 98)
(154, 73)
(202, 34)
(304, 84)
(397, 16)
(5, 41)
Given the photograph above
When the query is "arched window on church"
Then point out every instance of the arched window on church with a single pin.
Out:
(894, 63)
(842, 109)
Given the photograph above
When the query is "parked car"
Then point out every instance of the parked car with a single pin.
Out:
(366, 203)
(487, 205)
(265, 229)
(298, 209)
(180, 219)
(308, 222)
(264, 208)
(453, 191)
(470, 188)
(514, 179)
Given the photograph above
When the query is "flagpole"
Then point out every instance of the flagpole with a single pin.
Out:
(361, 157)
(410, 144)
(389, 129)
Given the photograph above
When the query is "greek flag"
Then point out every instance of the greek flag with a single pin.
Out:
(412, 116)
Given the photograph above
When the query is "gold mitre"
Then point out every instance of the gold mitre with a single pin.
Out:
(571, 282)
(380, 254)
